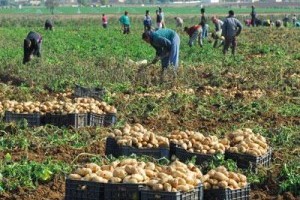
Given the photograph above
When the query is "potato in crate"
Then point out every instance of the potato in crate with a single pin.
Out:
(248, 149)
(188, 144)
(221, 184)
(137, 140)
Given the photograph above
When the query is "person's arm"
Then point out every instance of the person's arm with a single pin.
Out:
(224, 29)
(239, 26)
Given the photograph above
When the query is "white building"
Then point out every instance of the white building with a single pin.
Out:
(211, 1)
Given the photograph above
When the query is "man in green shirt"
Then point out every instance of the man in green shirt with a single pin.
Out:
(125, 22)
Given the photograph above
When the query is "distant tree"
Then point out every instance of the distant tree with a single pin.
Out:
(104, 2)
(51, 4)
(83, 2)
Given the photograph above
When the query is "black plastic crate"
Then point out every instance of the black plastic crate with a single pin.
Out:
(111, 147)
(96, 93)
(122, 191)
(110, 119)
(75, 120)
(227, 194)
(102, 119)
(84, 190)
(184, 155)
(196, 194)
(245, 161)
(33, 119)
(116, 150)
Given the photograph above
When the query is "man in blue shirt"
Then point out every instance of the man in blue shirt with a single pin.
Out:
(231, 28)
(166, 42)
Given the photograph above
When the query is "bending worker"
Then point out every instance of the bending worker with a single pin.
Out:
(166, 42)
(32, 46)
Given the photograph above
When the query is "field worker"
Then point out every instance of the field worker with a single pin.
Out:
(32, 46)
(179, 22)
(231, 28)
(218, 30)
(147, 21)
(285, 20)
(194, 33)
(253, 16)
(166, 42)
(48, 25)
(278, 23)
(158, 20)
(104, 21)
(125, 22)
(203, 23)
(162, 14)
(297, 24)
(294, 19)
(248, 22)
(267, 22)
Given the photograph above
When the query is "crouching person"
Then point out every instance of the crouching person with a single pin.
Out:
(194, 33)
(32, 46)
(166, 42)
(48, 25)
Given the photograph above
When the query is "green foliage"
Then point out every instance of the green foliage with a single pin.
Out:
(290, 177)
(219, 160)
(26, 173)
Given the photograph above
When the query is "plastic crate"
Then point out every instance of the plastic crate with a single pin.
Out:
(196, 194)
(110, 119)
(96, 93)
(184, 155)
(111, 147)
(245, 161)
(74, 120)
(122, 191)
(101, 119)
(84, 190)
(116, 150)
(33, 119)
(227, 194)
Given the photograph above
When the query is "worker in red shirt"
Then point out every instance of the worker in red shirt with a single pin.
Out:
(195, 33)
(104, 21)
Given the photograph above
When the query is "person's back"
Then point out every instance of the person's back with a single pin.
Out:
(166, 33)
(124, 19)
(231, 26)
(32, 46)
(48, 25)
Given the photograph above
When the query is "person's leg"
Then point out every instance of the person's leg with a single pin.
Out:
(193, 38)
(174, 54)
(234, 45)
(226, 45)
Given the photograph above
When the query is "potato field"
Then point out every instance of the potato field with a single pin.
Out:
(224, 124)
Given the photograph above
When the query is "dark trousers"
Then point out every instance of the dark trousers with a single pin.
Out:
(126, 29)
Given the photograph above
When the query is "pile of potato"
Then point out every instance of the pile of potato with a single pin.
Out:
(196, 142)
(247, 142)
(221, 178)
(233, 92)
(175, 177)
(139, 137)
(77, 105)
